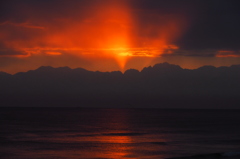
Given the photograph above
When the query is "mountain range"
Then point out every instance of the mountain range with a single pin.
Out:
(163, 85)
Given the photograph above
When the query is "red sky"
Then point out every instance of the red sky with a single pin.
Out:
(102, 35)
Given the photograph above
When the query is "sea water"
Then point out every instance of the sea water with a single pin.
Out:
(77, 133)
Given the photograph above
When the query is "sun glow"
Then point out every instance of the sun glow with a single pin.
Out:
(103, 30)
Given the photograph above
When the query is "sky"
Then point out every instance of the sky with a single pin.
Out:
(110, 35)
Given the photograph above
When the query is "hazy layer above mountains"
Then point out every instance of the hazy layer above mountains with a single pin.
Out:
(163, 86)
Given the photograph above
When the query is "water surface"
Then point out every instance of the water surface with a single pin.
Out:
(76, 133)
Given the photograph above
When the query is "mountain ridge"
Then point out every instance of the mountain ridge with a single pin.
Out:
(161, 85)
(156, 66)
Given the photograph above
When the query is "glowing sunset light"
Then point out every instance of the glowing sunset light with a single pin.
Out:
(53, 53)
(103, 30)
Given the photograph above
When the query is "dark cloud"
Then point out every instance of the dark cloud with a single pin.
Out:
(10, 52)
(20, 31)
(20, 11)
(5, 51)
(202, 53)
(213, 24)
(165, 7)
(214, 27)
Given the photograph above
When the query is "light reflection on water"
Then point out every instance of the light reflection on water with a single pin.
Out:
(115, 133)
(112, 136)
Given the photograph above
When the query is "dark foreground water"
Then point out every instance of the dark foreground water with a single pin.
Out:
(74, 133)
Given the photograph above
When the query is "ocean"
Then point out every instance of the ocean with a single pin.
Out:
(95, 133)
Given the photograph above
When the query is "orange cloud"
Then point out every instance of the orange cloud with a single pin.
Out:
(226, 53)
(53, 53)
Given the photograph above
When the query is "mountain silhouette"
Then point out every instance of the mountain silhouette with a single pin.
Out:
(162, 86)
